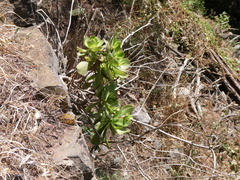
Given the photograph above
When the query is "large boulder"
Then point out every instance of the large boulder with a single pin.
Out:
(72, 153)
(44, 76)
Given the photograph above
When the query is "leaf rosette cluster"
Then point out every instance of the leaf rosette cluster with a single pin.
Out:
(104, 65)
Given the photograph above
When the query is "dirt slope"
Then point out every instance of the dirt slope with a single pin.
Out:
(182, 73)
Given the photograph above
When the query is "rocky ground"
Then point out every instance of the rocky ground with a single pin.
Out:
(183, 81)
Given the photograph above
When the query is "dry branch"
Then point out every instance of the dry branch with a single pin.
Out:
(175, 137)
(230, 79)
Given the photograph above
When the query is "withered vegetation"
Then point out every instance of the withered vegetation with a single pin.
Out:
(180, 72)
(29, 126)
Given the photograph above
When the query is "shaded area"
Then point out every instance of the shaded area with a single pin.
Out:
(25, 13)
(231, 7)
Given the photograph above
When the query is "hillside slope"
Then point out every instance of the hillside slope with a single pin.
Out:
(183, 76)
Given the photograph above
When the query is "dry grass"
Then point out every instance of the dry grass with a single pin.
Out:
(194, 132)
(28, 126)
(198, 117)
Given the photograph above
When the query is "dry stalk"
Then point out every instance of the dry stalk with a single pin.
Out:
(181, 69)
(69, 23)
(137, 167)
(131, 11)
(132, 33)
(91, 21)
(175, 137)
(153, 87)
(183, 157)
(48, 20)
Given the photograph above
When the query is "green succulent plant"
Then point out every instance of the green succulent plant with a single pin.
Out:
(103, 67)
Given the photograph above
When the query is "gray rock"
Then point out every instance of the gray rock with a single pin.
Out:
(73, 152)
(237, 47)
(183, 91)
(44, 75)
(141, 114)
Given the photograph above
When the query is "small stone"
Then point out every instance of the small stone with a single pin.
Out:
(141, 114)
(116, 161)
(183, 91)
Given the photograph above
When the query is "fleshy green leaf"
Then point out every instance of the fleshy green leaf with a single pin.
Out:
(119, 72)
(93, 42)
(95, 140)
(99, 91)
(82, 67)
(86, 85)
(87, 58)
(76, 12)
(122, 131)
(107, 72)
(123, 122)
(97, 80)
(102, 125)
(127, 109)
(108, 90)
(89, 108)
(119, 54)
(86, 40)
(107, 63)
(81, 50)
(113, 129)
(116, 44)
(80, 54)
(118, 48)
(124, 63)
(96, 49)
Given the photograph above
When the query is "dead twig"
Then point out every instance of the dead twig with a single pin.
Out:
(132, 33)
(175, 137)
(69, 23)
(139, 168)
(178, 78)
(230, 79)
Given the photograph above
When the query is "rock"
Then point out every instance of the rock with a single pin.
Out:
(73, 152)
(36, 48)
(183, 91)
(141, 114)
(237, 47)
(236, 53)
(44, 76)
